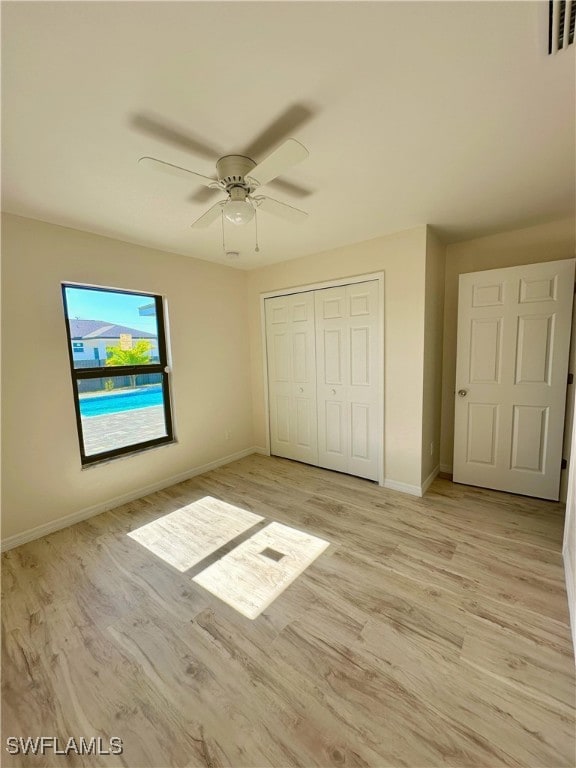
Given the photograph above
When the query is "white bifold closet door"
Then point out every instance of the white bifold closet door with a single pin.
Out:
(290, 345)
(347, 363)
(323, 377)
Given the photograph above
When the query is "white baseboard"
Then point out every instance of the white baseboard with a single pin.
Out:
(430, 479)
(571, 593)
(446, 469)
(84, 514)
(413, 490)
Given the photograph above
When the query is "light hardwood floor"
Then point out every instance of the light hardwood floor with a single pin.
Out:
(432, 632)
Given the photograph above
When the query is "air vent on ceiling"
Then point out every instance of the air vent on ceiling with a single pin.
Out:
(561, 22)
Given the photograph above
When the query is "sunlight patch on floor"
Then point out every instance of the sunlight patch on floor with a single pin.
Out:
(256, 572)
(185, 537)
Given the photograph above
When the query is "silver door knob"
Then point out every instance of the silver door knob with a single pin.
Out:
(462, 392)
(333, 391)
(300, 389)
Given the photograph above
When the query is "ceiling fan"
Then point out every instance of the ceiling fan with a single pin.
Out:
(237, 174)
(240, 176)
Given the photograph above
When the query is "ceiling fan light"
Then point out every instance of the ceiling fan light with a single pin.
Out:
(239, 211)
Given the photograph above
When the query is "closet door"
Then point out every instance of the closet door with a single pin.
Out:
(332, 354)
(292, 376)
(347, 349)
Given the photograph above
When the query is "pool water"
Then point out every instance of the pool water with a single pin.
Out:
(116, 402)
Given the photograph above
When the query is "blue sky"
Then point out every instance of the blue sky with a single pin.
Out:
(119, 308)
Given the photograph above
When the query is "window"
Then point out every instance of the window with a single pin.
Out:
(117, 350)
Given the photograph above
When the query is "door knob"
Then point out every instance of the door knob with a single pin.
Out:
(333, 391)
(462, 392)
(300, 389)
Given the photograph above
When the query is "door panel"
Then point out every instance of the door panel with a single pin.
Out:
(360, 356)
(485, 346)
(300, 357)
(304, 423)
(333, 442)
(332, 307)
(348, 375)
(533, 354)
(360, 421)
(291, 356)
(332, 365)
(364, 378)
(332, 357)
(488, 294)
(538, 289)
(512, 364)
(482, 433)
(282, 423)
(281, 357)
(301, 311)
(529, 436)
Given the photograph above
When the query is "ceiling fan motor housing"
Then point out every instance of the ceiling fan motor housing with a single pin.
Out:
(232, 169)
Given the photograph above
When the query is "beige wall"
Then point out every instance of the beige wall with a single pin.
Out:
(545, 242)
(42, 476)
(402, 258)
(433, 343)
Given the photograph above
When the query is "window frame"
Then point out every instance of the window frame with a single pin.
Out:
(162, 368)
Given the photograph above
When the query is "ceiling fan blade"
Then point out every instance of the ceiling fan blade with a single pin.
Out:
(277, 208)
(176, 170)
(162, 130)
(289, 188)
(286, 124)
(277, 163)
(203, 195)
(211, 215)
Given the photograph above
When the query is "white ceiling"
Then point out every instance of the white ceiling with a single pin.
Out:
(450, 114)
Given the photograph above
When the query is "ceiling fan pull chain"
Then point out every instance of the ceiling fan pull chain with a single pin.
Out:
(257, 249)
(223, 240)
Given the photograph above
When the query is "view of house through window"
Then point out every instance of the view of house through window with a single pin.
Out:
(117, 349)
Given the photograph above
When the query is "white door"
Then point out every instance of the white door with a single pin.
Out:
(292, 376)
(511, 377)
(569, 545)
(347, 345)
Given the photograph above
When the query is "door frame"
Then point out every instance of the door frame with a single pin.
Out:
(337, 282)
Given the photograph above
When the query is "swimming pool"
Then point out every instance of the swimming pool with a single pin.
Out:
(116, 402)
